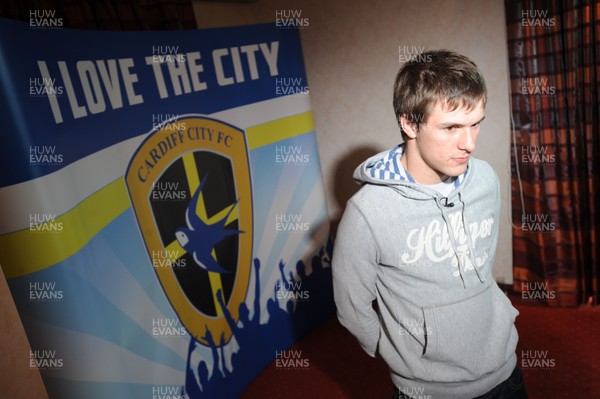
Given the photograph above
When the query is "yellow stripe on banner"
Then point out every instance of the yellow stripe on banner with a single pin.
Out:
(28, 251)
(280, 129)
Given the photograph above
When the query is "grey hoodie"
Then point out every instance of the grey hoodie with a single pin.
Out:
(443, 325)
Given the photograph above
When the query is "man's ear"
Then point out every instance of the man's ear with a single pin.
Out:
(408, 127)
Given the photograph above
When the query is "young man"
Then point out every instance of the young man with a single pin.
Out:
(419, 240)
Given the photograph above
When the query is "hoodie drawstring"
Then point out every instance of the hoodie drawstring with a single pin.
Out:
(438, 202)
(460, 259)
(469, 240)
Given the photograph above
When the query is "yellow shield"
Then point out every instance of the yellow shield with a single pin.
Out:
(189, 184)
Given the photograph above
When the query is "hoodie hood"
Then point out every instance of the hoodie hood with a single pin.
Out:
(386, 169)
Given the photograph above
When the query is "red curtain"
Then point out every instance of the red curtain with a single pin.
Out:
(109, 14)
(554, 52)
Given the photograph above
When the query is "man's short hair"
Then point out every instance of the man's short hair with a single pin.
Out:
(433, 77)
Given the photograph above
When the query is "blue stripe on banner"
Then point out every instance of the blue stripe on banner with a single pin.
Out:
(219, 69)
(298, 163)
(121, 237)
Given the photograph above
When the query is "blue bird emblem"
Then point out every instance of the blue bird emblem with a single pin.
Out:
(199, 238)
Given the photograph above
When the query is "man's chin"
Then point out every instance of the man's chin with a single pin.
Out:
(455, 172)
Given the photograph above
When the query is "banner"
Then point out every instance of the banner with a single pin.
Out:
(164, 228)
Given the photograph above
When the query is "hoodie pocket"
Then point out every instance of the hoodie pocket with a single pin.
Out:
(468, 339)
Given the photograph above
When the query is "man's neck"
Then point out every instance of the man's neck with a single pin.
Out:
(413, 167)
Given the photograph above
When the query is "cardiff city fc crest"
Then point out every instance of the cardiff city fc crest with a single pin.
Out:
(189, 183)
